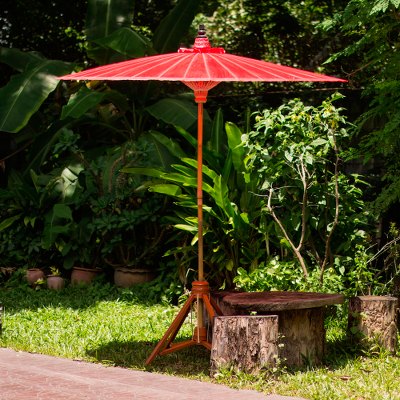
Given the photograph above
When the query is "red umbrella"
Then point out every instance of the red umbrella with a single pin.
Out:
(201, 68)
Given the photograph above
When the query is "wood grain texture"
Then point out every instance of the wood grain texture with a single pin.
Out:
(246, 343)
(373, 319)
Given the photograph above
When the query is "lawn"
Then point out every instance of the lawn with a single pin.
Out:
(121, 327)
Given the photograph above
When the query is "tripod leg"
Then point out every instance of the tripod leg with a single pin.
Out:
(210, 309)
(173, 330)
(216, 307)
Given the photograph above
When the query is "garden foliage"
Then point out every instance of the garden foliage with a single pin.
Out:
(370, 28)
(106, 170)
(276, 198)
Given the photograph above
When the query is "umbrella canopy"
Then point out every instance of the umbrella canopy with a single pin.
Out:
(199, 64)
(201, 68)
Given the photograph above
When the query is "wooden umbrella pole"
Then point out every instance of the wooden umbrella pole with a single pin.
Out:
(200, 190)
(200, 322)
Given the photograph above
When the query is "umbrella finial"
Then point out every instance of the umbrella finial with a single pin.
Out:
(201, 33)
(202, 44)
(201, 40)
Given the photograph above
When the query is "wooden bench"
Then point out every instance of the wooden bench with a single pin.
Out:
(300, 319)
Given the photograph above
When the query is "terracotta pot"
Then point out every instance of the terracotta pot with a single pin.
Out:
(81, 275)
(127, 277)
(34, 274)
(55, 282)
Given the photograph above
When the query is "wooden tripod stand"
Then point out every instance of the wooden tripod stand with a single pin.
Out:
(200, 288)
(200, 294)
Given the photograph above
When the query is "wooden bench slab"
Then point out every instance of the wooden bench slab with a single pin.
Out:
(279, 301)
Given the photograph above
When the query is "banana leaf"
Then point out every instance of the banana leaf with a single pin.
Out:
(234, 135)
(218, 137)
(178, 112)
(126, 42)
(104, 17)
(25, 92)
(174, 26)
(82, 101)
(18, 59)
(165, 188)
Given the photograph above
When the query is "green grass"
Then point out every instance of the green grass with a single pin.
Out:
(121, 327)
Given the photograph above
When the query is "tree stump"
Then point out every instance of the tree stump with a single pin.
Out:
(302, 336)
(373, 320)
(247, 343)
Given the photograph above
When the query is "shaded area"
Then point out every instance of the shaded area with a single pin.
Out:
(75, 297)
(133, 354)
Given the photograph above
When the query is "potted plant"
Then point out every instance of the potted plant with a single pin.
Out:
(84, 271)
(84, 275)
(55, 281)
(125, 219)
(69, 231)
(132, 251)
(33, 275)
(131, 237)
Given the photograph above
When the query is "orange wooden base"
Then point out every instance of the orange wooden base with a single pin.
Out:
(200, 293)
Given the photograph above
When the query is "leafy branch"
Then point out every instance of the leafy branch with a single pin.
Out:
(295, 150)
(296, 249)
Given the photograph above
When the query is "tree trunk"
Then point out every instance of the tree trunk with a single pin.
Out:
(373, 320)
(1, 318)
(247, 343)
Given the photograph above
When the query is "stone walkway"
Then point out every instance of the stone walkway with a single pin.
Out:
(26, 376)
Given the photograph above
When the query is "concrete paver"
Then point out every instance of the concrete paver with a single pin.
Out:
(26, 376)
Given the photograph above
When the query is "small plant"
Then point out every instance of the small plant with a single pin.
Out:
(54, 271)
(386, 263)
(39, 284)
(55, 280)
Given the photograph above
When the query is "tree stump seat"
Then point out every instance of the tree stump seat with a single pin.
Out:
(247, 343)
(300, 319)
(373, 320)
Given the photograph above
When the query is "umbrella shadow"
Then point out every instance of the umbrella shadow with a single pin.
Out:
(195, 361)
(192, 361)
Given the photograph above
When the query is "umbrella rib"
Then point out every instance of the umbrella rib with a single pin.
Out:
(206, 67)
(144, 68)
(257, 73)
(287, 73)
(175, 61)
(122, 70)
(223, 66)
(250, 75)
(187, 70)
